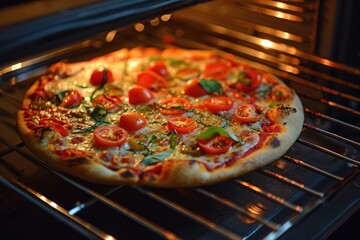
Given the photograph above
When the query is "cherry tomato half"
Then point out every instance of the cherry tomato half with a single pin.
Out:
(182, 124)
(139, 95)
(216, 145)
(71, 99)
(280, 93)
(55, 124)
(159, 67)
(151, 80)
(98, 75)
(174, 106)
(111, 103)
(110, 136)
(218, 70)
(218, 103)
(194, 89)
(132, 121)
(247, 113)
(248, 80)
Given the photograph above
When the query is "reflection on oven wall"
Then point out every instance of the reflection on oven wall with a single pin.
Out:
(339, 31)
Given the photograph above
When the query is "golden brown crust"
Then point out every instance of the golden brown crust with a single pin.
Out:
(170, 173)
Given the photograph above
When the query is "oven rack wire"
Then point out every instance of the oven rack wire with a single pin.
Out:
(320, 140)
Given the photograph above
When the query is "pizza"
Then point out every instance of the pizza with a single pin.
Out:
(159, 117)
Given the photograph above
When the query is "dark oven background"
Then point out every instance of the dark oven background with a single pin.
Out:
(306, 194)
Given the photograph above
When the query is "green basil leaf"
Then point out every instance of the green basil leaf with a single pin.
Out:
(172, 139)
(274, 104)
(214, 131)
(211, 86)
(244, 78)
(158, 157)
(99, 113)
(174, 62)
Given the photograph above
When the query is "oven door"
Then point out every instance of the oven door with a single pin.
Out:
(305, 194)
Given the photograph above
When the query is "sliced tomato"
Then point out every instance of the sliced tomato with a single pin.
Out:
(247, 113)
(110, 136)
(132, 121)
(236, 94)
(100, 75)
(216, 145)
(218, 70)
(280, 93)
(111, 103)
(55, 124)
(151, 80)
(248, 80)
(139, 95)
(71, 99)
(194, 89)
(174, 106)
(159, 67)
(182, 124)
(218, 103)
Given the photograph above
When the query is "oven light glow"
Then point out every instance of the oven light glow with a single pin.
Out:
(165, 17)
(16, 66)
(110, 36)
(139, 27)
(155, 22)
(266, 43)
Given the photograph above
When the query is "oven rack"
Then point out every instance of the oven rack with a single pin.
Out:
(269, 203)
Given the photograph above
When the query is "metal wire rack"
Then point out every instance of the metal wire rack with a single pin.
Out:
(264, 204)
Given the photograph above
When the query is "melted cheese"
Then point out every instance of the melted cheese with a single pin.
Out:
(156, 121)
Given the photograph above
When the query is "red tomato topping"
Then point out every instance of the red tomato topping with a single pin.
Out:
(194, 89)
(139, 95)
(218, 103)
(56, 125)
(159, 67)
(99, 75)
(174, 106)
(271, 128)
(71, 99)
(273, 115)
(248, 80)
(182, 124)
(216, 145)
(111, 103)
(132, 121)
(247, 113)
(151, 80)
(280, 93)
(69, 153)
(110, 136)
(218, 70)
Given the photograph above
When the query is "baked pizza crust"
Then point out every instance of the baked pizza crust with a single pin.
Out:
(169, 173)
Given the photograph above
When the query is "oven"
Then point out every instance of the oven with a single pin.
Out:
(309, 193)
